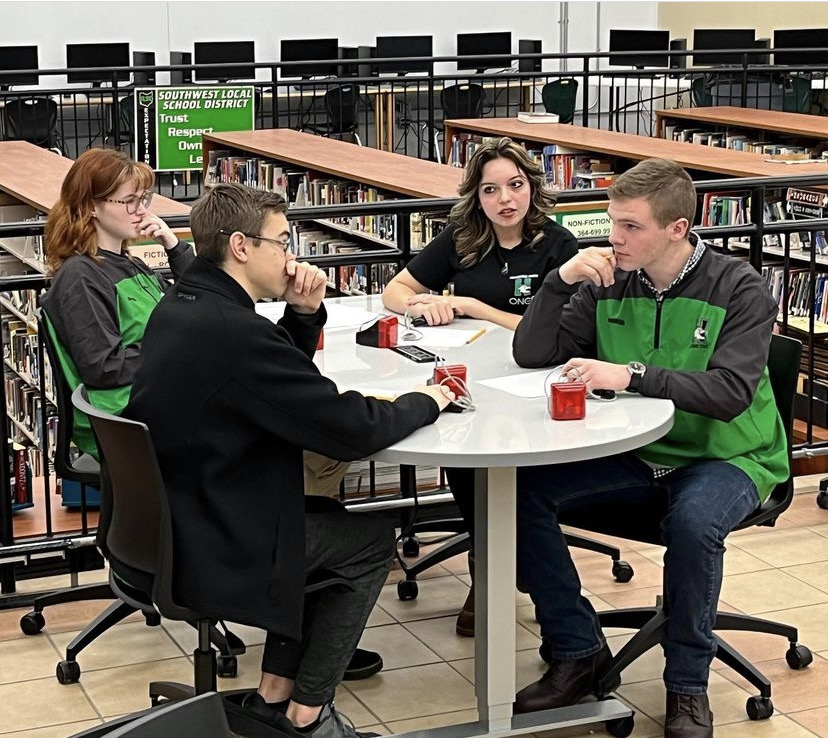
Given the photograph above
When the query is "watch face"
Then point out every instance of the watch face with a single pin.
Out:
(636, 368)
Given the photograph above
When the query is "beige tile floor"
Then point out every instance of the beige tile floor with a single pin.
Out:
(427, 681)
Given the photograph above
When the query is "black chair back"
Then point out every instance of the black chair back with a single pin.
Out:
(131, 494)
(342, 104)
(464, 101)
(783, 369)
(32, 120)
(560, 96)
(83, 469)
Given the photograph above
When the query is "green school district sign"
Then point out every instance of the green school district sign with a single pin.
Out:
(169, 122)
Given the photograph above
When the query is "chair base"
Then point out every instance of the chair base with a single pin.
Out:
(651, 624)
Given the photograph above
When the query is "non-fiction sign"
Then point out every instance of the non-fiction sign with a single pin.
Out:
(585, 223)
(169, 122)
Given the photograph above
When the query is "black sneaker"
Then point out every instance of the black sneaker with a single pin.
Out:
(330, 724)
(256, 706)
(363, 665)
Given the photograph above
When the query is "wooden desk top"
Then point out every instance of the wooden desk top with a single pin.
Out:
(633, 146)
(34, 175)
(800, 124)
(386, 170)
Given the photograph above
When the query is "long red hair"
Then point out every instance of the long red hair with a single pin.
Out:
(96, 174)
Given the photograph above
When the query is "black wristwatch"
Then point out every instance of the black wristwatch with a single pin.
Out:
(637, 371)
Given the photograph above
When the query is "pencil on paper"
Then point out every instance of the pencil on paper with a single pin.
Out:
(476, 335)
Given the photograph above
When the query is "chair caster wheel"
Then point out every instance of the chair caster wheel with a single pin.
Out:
(32, 623)
(407, 589)
(622, 571)
(758, 707)
(411, 546)
(798, 656)
(622, 727)
(152, 619)
(227, 667)
(67, 672)
(822, 500)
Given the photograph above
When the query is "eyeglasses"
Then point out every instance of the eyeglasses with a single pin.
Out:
(285, 243)
(133, 202)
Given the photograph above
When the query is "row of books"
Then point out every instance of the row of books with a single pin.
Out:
(565, 168)
(20, 351)
(736, 140)
(25, 407)
(20, 476)
(802, 300)
(425, 227)
(311, 241)
(24, 301)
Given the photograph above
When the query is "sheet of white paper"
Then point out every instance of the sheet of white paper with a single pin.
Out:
(439, 337)
(528, 386)
(339, 316)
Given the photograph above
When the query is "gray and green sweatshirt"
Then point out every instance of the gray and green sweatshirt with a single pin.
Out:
(705, 344)
(96, 312)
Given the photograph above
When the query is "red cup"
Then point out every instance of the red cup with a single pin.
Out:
(457, 371)
(567, 400)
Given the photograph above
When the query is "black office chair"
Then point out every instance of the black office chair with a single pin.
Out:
(461, 101)
(126, 125)
(341, 108)
(33, 120)
(644, 525)
(84, 470)
(201, 717)
(560, 96)
(137, 538)
(796, 96)
(700, 91)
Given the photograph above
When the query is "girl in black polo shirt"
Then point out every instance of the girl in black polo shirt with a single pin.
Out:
(499, 246)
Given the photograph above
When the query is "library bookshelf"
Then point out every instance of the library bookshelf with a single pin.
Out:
(630, 147)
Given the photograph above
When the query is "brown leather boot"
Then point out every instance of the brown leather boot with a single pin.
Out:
(688, 716)
(465, 619)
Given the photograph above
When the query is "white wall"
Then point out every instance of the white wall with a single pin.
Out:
(162, 26)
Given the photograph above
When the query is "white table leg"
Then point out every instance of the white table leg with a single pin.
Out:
(494, 630)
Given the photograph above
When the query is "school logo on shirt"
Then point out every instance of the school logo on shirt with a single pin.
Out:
(522, 289)
(700, 334)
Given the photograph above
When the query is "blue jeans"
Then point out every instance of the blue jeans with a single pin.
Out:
(703, 502)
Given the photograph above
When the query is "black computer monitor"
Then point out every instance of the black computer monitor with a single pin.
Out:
(222, 53)
(404, 46)
(623, 40)
(801, 38)
(17, 58)
(143, 59)
(106, 56)
(470, 45)
(309, 50)
(722, 38)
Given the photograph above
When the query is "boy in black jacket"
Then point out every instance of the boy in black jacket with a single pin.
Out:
(231, 400)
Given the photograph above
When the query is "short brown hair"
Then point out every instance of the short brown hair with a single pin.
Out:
(230, 207)
(664, 184)
(95, 175)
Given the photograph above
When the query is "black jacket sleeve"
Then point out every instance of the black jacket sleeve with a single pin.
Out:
(553, 331)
